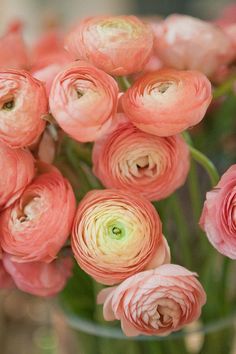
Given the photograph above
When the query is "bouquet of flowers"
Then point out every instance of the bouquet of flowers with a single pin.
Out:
(95, 141)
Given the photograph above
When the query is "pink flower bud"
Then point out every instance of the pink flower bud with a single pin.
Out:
(218, 217)
(184, 42)
(154, 302)
(168, 101)
(119, 45)
(13, 51)
(149, 165)
(117, 234)
(23, 103)
(19, 167)
(38, 224)
(38, 278)
(83, 100)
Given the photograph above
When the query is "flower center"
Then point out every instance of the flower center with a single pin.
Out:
(116, 231)
(9, 105)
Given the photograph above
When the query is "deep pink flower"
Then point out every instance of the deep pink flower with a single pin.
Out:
(36, 227)
(218, 217)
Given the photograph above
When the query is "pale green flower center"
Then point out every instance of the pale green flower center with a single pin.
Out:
(116, 231)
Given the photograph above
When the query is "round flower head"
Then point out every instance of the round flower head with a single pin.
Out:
(38, 278)
(154, 302)
(119, 45)
(218, 217)
(167, 101)
(38, 224)
(116, 234)
(149, 165)
(184, 42)
(83, 100)
(23, 104)
(19, 167)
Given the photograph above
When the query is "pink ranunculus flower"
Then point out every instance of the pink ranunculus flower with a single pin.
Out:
(83, 100)
(6, 281)
(184, 42)
(218, 217)
(154, 302)
(168, 101)
(119, 45)
(117, 234)
(36, 227)
(149, 165)
(38, 278)
(13, 51)
(23, 104)
(18, 165)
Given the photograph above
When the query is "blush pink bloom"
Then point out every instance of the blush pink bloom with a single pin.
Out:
(23, 104)
(154, 302)
(119, 45)
(168, 101)
(6, 281)
(18, 165)
(149, 165)
(184, 42)
(83, 100)
(38, 224)
(39, 278)
(218, 217)
(13, 50)
(116, 234)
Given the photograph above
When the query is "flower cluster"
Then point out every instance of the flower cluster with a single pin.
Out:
(75, 85)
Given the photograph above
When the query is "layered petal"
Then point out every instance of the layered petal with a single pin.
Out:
(155, 302)
(149, 165)
(168, 101)
(116, 234)
(36, 227)
(218, 217)
(23, 105)
(38, 278)
(19, 167)
(184, 42)
(119, 45)
(83, 100)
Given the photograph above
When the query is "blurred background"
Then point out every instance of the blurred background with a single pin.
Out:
(29, 325)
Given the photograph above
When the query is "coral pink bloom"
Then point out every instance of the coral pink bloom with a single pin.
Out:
(49, 57)
(19, 170)
(184, 42)
(6, 281)
(218, 217)
(154, 302)
(119, 45)
(39, 278)
(13, 51)
(38, 224)
(83, 100)
(23, 104)
(167, 101)
(149, 165)
(116, 234)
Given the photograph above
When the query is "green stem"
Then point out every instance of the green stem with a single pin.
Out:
(123, 83)
(225, 88)
(183, 231)
(206, 163)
